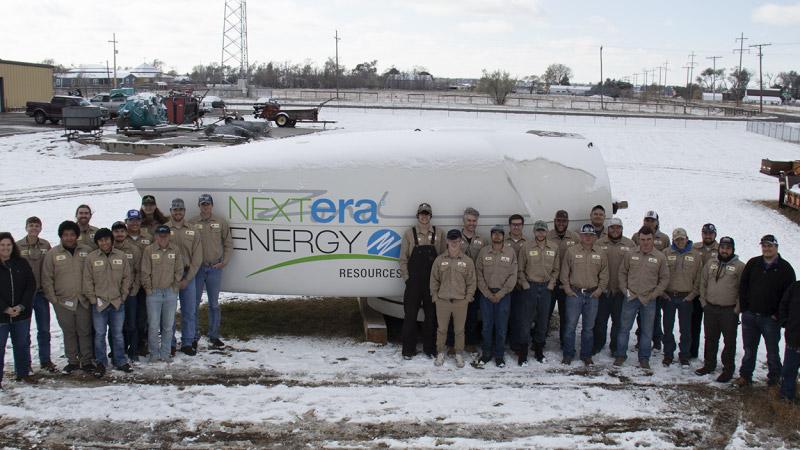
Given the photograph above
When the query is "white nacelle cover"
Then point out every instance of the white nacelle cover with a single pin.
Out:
(324, 214)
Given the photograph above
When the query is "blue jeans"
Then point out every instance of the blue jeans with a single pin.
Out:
(131, 328)
(577, 307)
(630, 309)
(753, 327)
(210, 279)
(791, 362)
(112, 319)
(658, 333)
(20, 332)
(684, 310)
(161, 306)
(609, 306)
(495, 324)
(540, 300)
(188, 300)
(41, 312)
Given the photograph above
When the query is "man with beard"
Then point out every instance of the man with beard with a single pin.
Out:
(82, 216)
(708, 248)
(616, 247)
(565, 238)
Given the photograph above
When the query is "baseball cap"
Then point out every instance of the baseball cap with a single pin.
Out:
(133, 214)
(178, 204)
(678, 233)
(769, 239)
(561, 214)
(727, 240)
(118, 225)
(205, 198)
(709, 228)
(498, 229)
(615, 221)
(587, 228)
(424, 208)
(162, 229)
(147, 199)
(454, 234)
(540, 225)
(651, 215)
(102, 233)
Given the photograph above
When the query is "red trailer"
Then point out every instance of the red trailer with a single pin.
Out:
(272, 110)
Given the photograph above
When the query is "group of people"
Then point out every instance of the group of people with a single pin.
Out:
(593, 276)
(120, 284)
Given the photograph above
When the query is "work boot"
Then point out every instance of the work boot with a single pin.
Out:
(188, 350)
(703, 371)
(124, 368)
(667, 361)
(644, 364)
(743, 382)
(29, 379)
(725, 377)
(439, 360)
(538, 353)
(50, 367)
(89, 368)
(459, 360)
(588, 361)
(566, 361)
(500, 362)
(684, 363)
(619, 361)
(216, 343)
(99, 371)
(69, 368)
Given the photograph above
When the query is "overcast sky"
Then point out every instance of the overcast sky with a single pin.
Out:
(450, 38)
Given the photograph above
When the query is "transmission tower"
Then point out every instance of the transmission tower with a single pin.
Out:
(234, 37)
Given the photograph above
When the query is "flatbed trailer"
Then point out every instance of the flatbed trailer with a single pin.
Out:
(272, 111)
(788, 175)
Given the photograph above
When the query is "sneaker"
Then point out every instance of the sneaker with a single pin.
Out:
(172, 351)
(588, 361)
(522, 361)
(619, 361)
(500, 362)
(667, 361)
(124, 368)
(644, 364)
(566, 361)
(188, 350)
(439, 360)
(99, 371)
(725, 377)
(50, 367)
(743, 382)
(215, 342)
(459, 361)
(69, 368)
(703, 371)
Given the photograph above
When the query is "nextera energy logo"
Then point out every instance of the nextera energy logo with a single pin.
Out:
(384, 242)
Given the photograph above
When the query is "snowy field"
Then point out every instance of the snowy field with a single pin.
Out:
(342, 393)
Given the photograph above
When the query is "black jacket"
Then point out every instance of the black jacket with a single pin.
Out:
(761, 290)
(789, 316)
(17, 286)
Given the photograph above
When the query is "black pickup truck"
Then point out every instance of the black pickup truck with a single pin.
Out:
(42, 111)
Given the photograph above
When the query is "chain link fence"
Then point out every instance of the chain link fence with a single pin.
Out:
(783, 131)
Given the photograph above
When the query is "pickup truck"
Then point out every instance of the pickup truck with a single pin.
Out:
(42, 112)
(108, 101)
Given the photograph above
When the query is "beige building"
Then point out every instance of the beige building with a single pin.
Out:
(22, 82)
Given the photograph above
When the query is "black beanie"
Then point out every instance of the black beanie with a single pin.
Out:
(102, 233)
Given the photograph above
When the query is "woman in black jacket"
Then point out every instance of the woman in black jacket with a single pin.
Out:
(17, 286)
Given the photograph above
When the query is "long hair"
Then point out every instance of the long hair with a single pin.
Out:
(158, 217)
(14, 249)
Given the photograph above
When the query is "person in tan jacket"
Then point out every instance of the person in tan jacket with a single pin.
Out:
(107, 279)
(496, 270)
(217, 247)
(162, 272)
(719, 294)
(133, 253)
(515, 240)
(584, 275)
(661, 242)
(616, 247)
(83, 214)
(643, 277)
(33, 249)
(538, 270)
(453, 285)
(420, 246)
(708, 248)
(142, 238)
(187, 239)
(471, 244)
(685, 268)
(565, 238)
(62, 275)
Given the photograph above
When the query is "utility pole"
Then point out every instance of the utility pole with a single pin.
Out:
(714, 75)
(337, 39)
(114, 41)
(645, 79)
(760, 76)
(740, 50)
(602, 84)
(635, 79)
(666, 69)
(691, 73)
(659, 79)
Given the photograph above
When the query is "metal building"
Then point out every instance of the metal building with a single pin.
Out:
(21, 82)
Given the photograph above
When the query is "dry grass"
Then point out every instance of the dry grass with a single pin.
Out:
(790, 213)
(763, 407)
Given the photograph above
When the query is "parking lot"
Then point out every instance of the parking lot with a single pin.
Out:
(18, 123)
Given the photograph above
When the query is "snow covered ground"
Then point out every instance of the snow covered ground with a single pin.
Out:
(341, 393)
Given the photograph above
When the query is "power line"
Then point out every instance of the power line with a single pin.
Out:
(714, 73)
(760, 76)
(691, 73)
(741, 51)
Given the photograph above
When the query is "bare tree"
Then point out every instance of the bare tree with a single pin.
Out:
(557, 74)
(533, 82)
(497, 84)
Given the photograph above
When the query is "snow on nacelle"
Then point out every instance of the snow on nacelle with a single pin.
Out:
(323, 214)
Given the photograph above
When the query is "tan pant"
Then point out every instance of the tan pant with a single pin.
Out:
(444, 310)
(77, 328)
